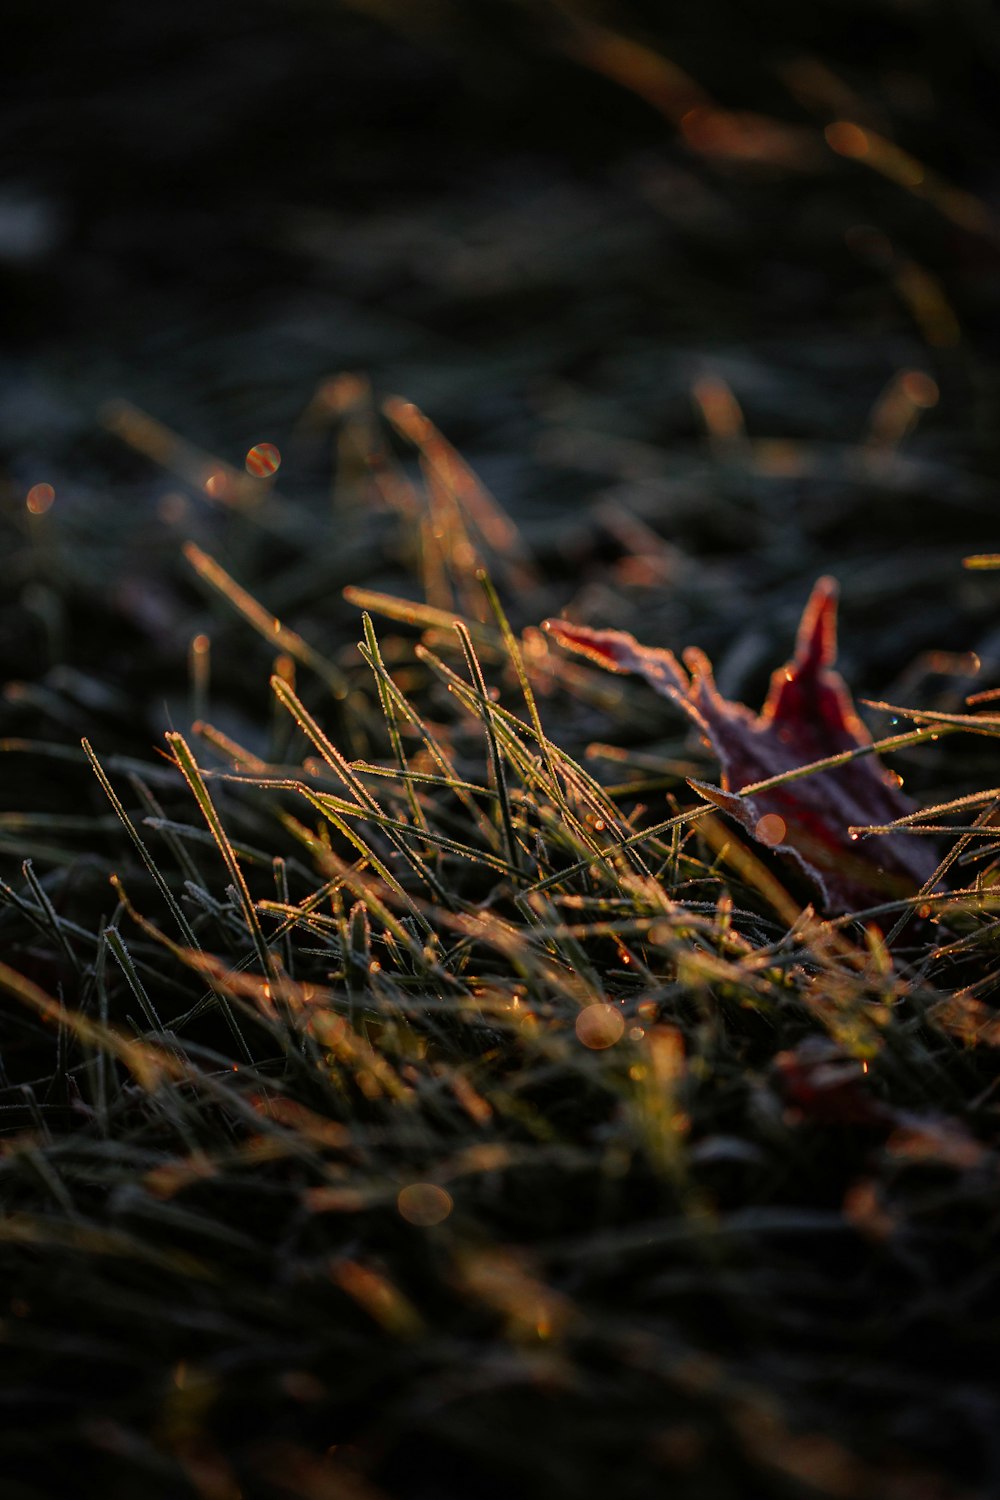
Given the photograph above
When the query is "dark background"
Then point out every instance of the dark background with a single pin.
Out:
(207, 210)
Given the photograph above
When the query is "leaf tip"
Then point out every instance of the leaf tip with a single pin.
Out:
(816, 645)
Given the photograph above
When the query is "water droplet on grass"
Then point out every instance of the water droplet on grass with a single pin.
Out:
(600, 1026)
(424, 1204)
(770, 829)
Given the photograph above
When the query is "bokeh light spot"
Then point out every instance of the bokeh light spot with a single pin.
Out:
(263, 460)
(217, 484)
(39, 499)
(600, 1026)
(172, 508)
(770, 829)
(424, 1204)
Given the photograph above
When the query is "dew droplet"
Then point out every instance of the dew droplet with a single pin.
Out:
(600, 1026)
(424, 1204)
(770, 829)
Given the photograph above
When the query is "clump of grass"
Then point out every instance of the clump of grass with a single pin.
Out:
(413, 1111)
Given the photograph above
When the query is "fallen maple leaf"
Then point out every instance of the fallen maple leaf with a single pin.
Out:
(808, 715)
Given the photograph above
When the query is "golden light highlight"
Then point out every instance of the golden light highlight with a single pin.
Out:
(200, 672)
(424, 1204)
(898, 408)
(847, 139)
(507, 1282)
(860, 143)
(381, 1300)
(744, 137)
(284, 667)
(600, 1026)
(720, 411)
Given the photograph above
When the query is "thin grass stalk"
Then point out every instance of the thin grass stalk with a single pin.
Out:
(192, 775)
(184, 926)
(389, 713)
(266, 625)
(367, 803)
(496, 760)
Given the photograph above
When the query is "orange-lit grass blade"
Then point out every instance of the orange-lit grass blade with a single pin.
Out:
(184, 926)
(449, 476)
(738, 136)
(148, 1064)
(374, 656)
(439, 753)
(191, 772)
(217, 480)
(266, 625)
(365, 802)
(499, 774)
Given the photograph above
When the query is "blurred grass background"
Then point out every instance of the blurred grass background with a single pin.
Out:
(568, 232)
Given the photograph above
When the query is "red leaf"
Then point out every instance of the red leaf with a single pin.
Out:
(808, 716)
(822, 1085)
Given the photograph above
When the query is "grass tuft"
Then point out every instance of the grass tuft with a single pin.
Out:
(466, 1093)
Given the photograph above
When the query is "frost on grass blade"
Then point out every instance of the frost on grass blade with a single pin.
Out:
(808, 716)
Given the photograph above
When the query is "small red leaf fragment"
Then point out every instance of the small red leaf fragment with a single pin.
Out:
(821, 1085)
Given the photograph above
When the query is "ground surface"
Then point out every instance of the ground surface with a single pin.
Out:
(711, 307)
